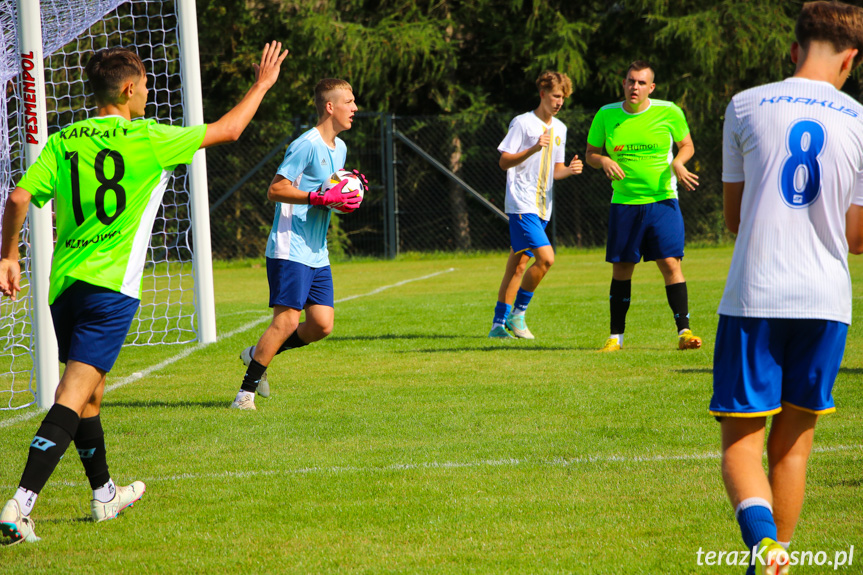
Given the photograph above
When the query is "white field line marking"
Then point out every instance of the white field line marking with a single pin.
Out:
(190, 350)
(558, 462)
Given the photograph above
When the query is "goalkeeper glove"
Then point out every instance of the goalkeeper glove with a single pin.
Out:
(334, 197)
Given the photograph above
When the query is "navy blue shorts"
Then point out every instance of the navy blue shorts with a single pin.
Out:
(92, 323)
(760, 364)
(652, 231)
(527, 231)
(297, 285)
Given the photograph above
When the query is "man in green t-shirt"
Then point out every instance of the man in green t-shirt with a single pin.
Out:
(644, 220)
(107, 175)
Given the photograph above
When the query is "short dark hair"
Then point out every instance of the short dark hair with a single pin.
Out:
(109, 69)
(639, 65)
(839, 24)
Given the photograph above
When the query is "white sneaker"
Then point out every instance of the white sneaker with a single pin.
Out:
(123, 498)
(263, 385)
(244, 400)
(16, 526)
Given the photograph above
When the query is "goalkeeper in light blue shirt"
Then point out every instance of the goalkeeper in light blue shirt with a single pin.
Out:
(298, 265)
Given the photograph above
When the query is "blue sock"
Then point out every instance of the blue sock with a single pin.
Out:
(501, 311)
(756, 522)
(522, 299)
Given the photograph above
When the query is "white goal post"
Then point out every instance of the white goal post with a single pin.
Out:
(46, 45)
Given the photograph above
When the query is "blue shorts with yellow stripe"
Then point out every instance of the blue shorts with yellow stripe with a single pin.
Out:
(761, 365)
(527, 231)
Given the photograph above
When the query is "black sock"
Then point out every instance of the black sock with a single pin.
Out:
(90, 442)
(253, 376)
(48, 446)
(678, 299)
(618, 298)
(292, 342)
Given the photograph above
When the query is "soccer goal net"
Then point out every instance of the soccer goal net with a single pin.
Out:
(71, 31)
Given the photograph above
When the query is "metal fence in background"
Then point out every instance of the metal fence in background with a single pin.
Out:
(435, 186)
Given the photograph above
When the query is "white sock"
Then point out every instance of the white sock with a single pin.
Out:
(516, 311)
(618, 337)
(752, 502)
(785, 544)
(106, 492)
(242, 393)
(26, 500)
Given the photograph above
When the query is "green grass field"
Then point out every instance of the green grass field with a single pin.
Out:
(408, 442)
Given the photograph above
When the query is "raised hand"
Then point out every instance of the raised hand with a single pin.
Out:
(267, 72)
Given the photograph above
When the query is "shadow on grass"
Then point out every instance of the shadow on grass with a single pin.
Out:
(221, 404)
(856, 482)
(403, 336)
(77, 520)
(851, 370)
(505, 348)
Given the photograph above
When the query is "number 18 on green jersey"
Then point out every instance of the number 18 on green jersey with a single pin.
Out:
(107, 176)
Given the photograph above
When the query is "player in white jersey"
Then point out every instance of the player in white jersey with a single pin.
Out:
(532, 153)
(298, 265)
(793, 192)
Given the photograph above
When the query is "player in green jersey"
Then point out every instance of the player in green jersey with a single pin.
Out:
(644, 220)
(106, 175)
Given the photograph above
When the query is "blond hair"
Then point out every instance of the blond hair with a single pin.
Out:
(324, 93)
(549, 81)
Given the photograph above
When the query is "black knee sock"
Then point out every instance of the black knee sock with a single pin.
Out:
(618, 299)
(90, 442)
(679, 302)
(253, 376)
(48, 446)
(292, 342)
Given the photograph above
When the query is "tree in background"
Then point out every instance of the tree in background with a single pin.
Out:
(471, 59)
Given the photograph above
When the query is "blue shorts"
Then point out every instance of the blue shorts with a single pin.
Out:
(527, 231)
(296, 285)
(92, 323)
(759, 365)
(652, 231)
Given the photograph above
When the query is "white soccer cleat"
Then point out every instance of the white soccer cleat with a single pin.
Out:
(16, 526)
(244, 401)
(263, 385)
(515, 323)
(123, 498)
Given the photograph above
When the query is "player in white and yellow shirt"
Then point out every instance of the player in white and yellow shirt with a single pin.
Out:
(532, 153)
